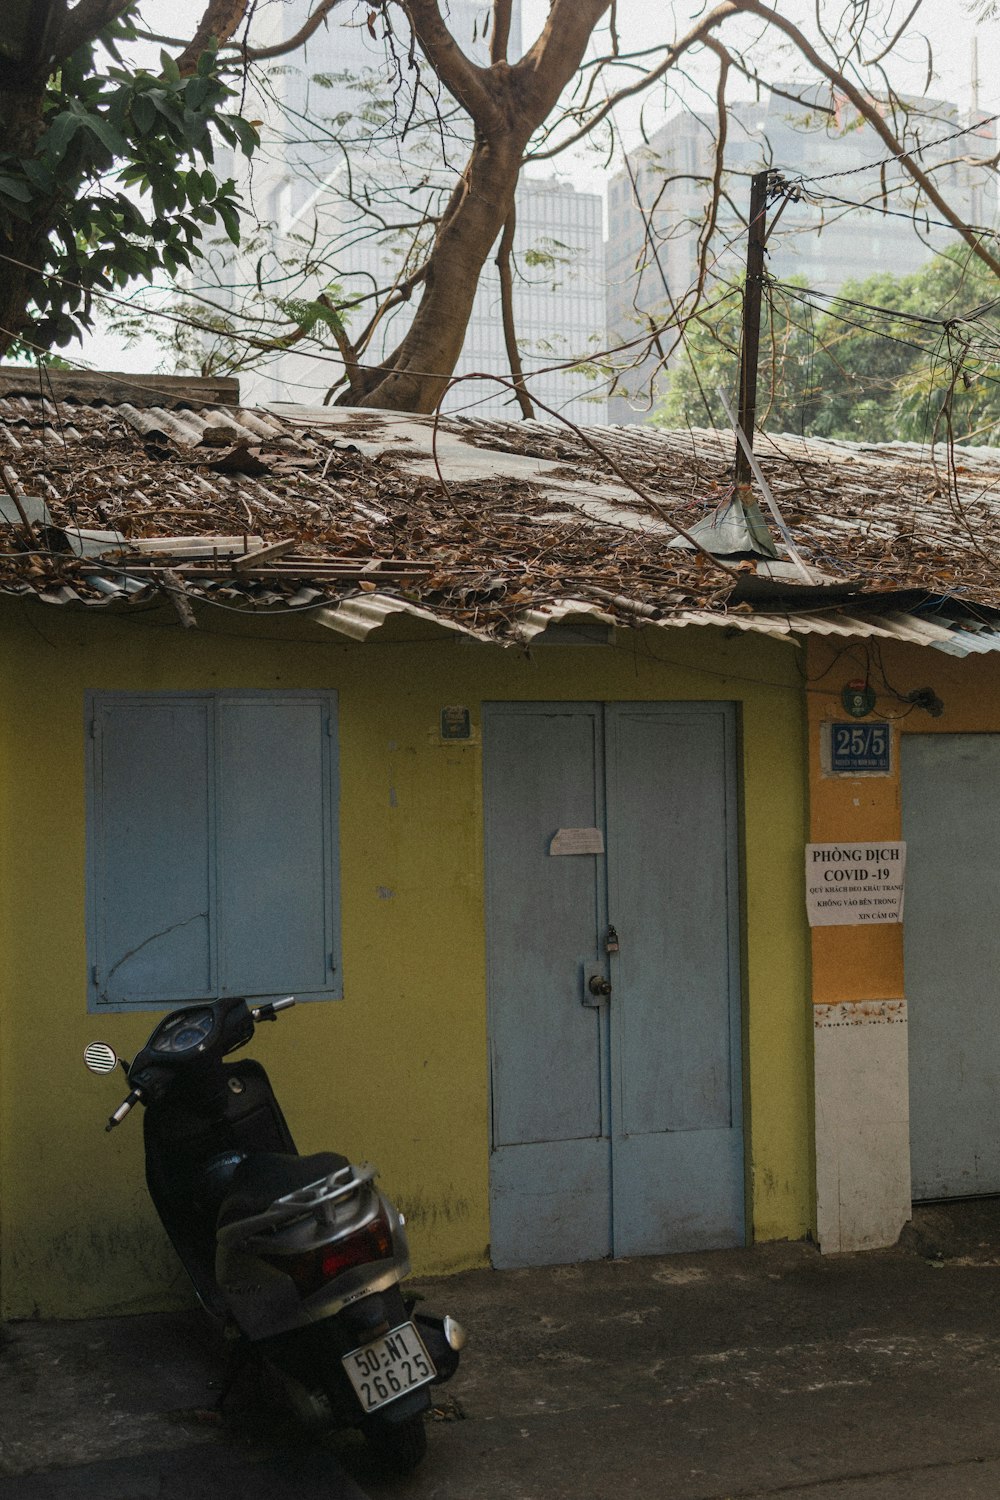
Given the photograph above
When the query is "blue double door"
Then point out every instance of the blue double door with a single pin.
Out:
(613, 977)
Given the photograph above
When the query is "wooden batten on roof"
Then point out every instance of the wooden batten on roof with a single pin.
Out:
(116, 387)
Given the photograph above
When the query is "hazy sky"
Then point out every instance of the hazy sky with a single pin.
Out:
(948, 24)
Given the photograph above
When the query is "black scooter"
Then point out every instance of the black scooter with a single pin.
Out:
(297, 1258)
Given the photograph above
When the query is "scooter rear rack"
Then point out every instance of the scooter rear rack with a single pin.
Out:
(318, 1200)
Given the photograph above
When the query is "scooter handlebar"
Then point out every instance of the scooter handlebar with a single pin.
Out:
(269, 1012)
(123, 1109)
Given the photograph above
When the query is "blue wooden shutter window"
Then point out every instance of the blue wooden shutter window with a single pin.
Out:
(212, 847)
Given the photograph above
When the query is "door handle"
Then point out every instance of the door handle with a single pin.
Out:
(596, 986)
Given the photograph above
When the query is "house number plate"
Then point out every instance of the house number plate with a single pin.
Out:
(860, 747)
(389, 1367)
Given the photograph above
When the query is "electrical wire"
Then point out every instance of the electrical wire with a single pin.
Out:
(885, 161)
(813, 298)
(571, 363)
(915, 215)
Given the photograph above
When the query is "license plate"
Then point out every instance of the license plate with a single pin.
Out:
(389, 1367)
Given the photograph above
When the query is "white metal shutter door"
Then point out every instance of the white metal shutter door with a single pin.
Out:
(951, 823)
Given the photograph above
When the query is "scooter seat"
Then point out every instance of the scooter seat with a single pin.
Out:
(260, 1179)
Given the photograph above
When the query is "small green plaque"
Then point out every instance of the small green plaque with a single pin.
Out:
(858, 699)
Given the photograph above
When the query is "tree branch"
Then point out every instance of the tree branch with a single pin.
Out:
(463, 79)
(220, 21)
(674, 53)
(722, 132)
(82, 24)
(305, 31)
(500, 38)
(400, 292)
(550, 63)
(507, 314)
(869, 111)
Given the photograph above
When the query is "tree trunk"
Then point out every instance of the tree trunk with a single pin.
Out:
(22, 243)
(26, 248)
(506, 102)
(416, 374)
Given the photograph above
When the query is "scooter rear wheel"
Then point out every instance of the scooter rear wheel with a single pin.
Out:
(399, 1446)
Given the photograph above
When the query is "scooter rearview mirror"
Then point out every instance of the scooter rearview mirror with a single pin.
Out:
(100, 1058)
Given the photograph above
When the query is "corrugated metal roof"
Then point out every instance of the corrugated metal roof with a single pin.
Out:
(495, 529)
(360, 618)
(959, 637)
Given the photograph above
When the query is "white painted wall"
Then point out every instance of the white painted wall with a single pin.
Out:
(862, 1124)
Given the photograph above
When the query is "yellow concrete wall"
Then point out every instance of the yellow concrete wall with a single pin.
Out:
(396, 1071)
(866, 963)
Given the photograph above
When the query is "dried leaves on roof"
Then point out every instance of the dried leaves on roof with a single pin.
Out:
(314, 506)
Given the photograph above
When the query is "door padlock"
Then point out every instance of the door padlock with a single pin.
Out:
(611, 943)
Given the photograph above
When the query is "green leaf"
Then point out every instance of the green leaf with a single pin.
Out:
(13, 187)
(134, 174)
(165, 102)
(132, 220)
(230, 219)
(39, 176)
(108, 42)
(112, 140)
(171, 72)
(194, 128)
(66, 329)
(197, 91)
(143, 113)
(245, 133)
(58, 136)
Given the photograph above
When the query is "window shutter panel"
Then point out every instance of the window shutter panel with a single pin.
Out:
(277, 835)
(151, 855)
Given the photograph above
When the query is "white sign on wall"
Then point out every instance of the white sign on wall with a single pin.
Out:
(577, 841)
(851, 883)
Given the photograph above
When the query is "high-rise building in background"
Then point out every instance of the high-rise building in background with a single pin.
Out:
(339, 170)
(657, 207)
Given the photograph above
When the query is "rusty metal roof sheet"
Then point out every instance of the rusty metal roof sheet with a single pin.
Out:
(498, 530)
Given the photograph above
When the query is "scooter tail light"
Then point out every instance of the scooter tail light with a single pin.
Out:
(312, 1269)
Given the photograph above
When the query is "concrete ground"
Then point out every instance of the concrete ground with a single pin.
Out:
(754, 1373)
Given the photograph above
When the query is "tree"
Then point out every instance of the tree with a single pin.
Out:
(889, 359)
(105, 168)
(75, 139)
(564, 89)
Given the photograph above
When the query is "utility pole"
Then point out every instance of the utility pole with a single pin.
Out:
(747, 467)
(759, 185)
